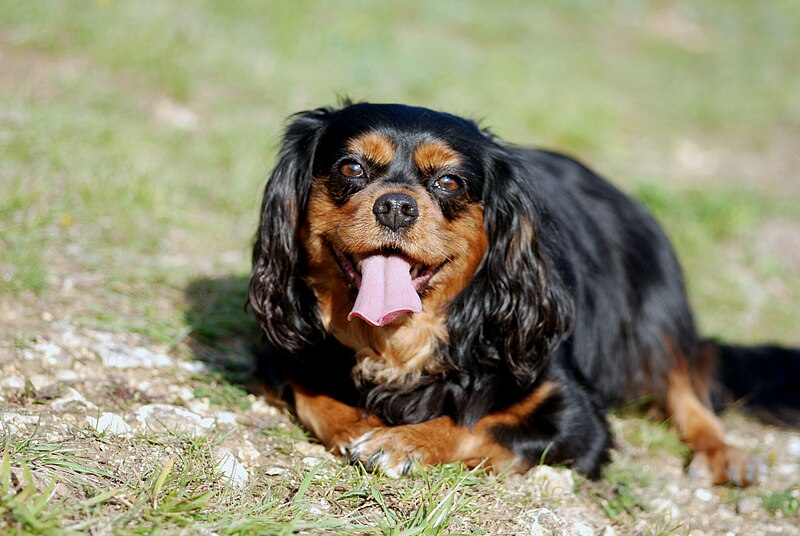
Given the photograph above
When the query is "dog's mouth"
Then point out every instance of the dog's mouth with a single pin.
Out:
(388, 282)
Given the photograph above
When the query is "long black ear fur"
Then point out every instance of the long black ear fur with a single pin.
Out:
(516, 309)
(281, 301)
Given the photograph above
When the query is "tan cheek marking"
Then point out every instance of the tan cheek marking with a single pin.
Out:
(376, 147)
(432, 155)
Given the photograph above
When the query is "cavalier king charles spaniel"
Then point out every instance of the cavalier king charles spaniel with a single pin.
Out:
(430, 294)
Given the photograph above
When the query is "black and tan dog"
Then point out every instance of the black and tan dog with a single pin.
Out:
(431, 295)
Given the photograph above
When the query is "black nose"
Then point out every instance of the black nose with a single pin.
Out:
(396, 210)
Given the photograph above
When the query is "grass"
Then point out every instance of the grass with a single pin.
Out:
(787, 502)
(137, 137)
(40, 482)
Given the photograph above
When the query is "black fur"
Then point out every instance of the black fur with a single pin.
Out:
(579, 285)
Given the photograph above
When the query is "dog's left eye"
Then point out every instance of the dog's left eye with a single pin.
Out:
(351, 170)
(448, 183)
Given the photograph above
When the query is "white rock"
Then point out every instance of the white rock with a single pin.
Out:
(552, 481)
(117, 355)
(231, 468)
(66, 375)
(703, 494)
(181, 391)
(109, 423)
(225, 417)
(275, 471)
(543, 522)
(12, 382)
(71, 396)
(310, 462)
(259, 405)
(247, 452)
(195, 367)
(13, 422)
(51, 352)
(609, 531)
(582, 529)
(160, 417)
(793, 446)
(199, 405)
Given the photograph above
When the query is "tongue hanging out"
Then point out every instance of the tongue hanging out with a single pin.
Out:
(386, 290)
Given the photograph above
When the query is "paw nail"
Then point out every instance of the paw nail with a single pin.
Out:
(372, 460)
(407, 468)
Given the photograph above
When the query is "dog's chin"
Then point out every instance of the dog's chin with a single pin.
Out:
(420, 272)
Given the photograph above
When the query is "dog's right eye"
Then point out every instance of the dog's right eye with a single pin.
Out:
(351, 170)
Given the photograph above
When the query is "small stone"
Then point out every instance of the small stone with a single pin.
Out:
(231, 468)
(51, 352)
(72, 396)
(66, 375)
(13, 422)
(258, 405)
(552, 481)
(543, 522)
(118, 355)
(582, 529)
(109, 423)
(225, 417)
(609, 531)
(310, 462)
(793, 446)
(247, 452)
(703, 494)
(195, 367)
(276, 471)
(160, 417)
(12, 382)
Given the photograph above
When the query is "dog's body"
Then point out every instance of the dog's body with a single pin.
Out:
(430, 295)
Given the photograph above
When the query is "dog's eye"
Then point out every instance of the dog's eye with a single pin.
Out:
(351, 170)
(448, 183)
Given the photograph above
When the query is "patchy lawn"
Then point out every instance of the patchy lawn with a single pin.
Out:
(135, 141)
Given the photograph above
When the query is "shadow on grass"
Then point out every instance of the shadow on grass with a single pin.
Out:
(224, 335)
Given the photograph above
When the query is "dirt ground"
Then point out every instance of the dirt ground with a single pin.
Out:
(97, 391)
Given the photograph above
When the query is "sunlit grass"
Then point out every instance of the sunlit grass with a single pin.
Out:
(136, 137)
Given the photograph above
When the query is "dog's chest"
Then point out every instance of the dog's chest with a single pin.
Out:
(397, 354)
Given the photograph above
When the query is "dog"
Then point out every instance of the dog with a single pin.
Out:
(430, 294)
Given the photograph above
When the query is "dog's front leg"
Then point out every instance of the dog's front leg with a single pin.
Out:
(334, 423)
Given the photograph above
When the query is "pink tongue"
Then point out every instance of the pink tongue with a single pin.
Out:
(386, 291)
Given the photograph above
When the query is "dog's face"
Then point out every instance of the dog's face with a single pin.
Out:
(394, 222)
(410, 236)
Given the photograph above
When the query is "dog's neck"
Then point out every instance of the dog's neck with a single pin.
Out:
(398, 353)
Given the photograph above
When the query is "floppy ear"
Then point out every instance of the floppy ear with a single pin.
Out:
(516, 309)
(281, 301)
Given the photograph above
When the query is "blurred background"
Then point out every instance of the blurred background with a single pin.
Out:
(136, 136)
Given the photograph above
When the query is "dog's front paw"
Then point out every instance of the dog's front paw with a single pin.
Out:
(395, 451)
(728, 465)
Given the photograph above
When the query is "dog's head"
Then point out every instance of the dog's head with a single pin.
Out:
(379, 218)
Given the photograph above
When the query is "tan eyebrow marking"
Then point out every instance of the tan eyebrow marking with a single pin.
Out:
(432, 155)
(377, 147)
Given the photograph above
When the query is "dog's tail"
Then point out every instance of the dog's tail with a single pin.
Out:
(762, 380)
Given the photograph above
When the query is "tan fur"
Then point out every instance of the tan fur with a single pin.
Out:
(430, 156)
(439, 440)
(376, 147)
(700, 428)
(332, 422)
(401, 351)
